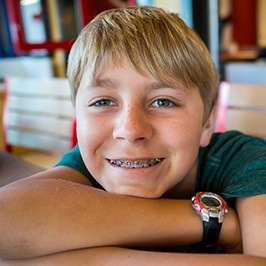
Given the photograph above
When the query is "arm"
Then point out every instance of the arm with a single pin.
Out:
(252, 216)
(114, 256)
(70, 214)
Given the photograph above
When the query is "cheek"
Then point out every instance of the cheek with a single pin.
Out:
(184, 142)
(90, 138)
(89, 131)
(184, 132)
(93, 137)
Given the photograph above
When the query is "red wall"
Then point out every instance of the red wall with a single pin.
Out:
(244, 16)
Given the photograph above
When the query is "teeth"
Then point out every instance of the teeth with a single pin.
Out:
(135, 164)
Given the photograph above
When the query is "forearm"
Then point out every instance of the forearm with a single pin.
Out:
(48, 216)
(114, 256)
(51, 216)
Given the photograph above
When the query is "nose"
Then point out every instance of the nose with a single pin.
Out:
(132, 124)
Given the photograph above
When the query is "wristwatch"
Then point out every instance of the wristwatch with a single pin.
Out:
(211, 208)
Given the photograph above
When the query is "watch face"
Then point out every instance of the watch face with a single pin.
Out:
(210, 201)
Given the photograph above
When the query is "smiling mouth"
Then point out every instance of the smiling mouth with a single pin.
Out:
(136, 163)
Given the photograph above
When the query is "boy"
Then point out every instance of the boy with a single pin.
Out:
(144, 88)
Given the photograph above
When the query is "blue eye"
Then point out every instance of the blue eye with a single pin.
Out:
(104, 102)
(163, 103)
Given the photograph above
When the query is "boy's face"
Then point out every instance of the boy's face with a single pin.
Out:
(137, 136)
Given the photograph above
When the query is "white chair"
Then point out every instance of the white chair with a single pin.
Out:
(242, 107)
(38, 114)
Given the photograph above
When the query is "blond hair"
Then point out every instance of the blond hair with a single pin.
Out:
(153, 40)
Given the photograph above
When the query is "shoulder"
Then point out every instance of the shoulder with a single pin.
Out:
(234, 144)
(73, 159)
(234, 165)
(236, 139)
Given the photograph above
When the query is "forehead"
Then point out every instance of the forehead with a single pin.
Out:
(110, 70)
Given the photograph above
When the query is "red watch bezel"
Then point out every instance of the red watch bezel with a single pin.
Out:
(205, 211)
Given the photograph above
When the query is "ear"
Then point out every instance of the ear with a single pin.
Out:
(208, 128)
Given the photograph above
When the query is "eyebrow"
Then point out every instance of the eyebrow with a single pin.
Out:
(105, 83)
(178, 88)
(159, 85)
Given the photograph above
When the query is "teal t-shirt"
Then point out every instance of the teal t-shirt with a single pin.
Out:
(233, 165)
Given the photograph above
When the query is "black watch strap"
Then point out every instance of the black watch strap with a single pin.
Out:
(211, 233)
